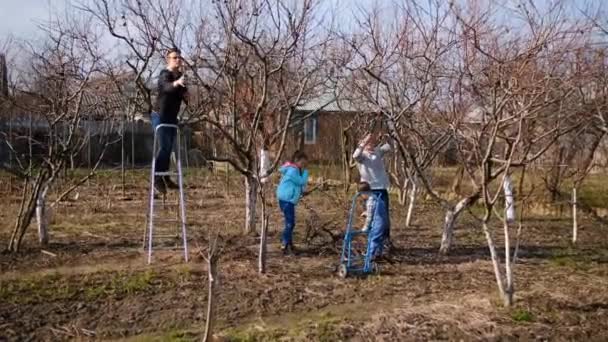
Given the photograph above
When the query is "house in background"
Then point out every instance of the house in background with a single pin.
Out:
(319, 124)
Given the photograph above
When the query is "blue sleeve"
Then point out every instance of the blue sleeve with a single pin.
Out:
(304, 179)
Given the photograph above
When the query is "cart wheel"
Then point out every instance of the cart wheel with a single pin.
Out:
(342, 271)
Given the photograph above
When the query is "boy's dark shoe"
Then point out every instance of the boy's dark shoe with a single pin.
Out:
(388, 246)
(170, 184)
(159, 186)
(288, 249)
(383, 259)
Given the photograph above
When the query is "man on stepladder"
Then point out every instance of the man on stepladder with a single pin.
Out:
(172, 91)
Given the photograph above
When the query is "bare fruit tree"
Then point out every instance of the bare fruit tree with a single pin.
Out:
(212, 256)
(517, 99)
(400, 71)
(52, 88)
(255, 62)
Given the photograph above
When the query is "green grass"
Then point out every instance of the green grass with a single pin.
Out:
(252, 335)
(175, 335)
(131, 284)
(54, 287)
(36, 289)
(320, 327)
(594, 191)
(522, 316)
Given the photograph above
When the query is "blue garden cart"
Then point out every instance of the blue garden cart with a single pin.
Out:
(356, 257)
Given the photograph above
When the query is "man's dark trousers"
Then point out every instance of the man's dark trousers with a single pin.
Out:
(166, 138)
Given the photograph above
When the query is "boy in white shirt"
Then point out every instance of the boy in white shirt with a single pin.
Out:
(369, 156)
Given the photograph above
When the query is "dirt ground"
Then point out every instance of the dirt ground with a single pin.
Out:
(93, 282)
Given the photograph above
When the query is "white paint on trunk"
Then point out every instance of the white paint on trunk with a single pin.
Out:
(574, 217)
(448, 231)
(403, 192)
(496, 266)
(410, 208)
(508, 291)
(213, 280)
(509, 199)
(265, 164)
(262, 255)
(42, 217)
(451, 216)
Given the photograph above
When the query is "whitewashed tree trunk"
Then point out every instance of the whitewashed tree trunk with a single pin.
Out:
(251, 196)
(574, 217)
(265, 164)
(451, 216)
(263, 234)
(42, 217)
(508, 291)
(509, 200)
(213, 280)
(507, 296)
(403, 192)
(448, 231)
(410, 208)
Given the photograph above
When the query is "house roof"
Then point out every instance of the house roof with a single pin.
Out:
(327, 102)
(100, 106)
(476, 115)
(332, 98)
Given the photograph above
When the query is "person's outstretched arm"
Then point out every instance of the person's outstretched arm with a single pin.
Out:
(165, 84)
(387, 147)
(304, 179)
(359, 154)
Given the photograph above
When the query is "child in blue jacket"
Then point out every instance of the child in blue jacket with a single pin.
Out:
(290, 190)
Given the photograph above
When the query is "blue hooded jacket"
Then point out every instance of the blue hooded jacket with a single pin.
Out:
(293, 182)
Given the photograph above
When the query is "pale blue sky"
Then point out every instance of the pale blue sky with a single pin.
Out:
(20, 17)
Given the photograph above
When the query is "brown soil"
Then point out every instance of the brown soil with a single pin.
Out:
(94, 282)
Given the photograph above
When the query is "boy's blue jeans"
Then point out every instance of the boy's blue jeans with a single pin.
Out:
(289, 213)
(380, 224)
(384, 195)
(166, 137)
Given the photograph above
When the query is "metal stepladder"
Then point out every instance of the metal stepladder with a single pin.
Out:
(352, 261)
(150, 218)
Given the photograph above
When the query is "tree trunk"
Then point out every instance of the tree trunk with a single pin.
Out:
(451, 216)
(496, 265)
(346, 158)
(26, 214)
(262, 257)
(403, 191)
(212, 274)
(457, 182)
(122, 161)
(251, 195)
(265, 165)
(42, 217)
(574, 217)
(509, 290)
(509, 200)
(410, 208)
(13, 246)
